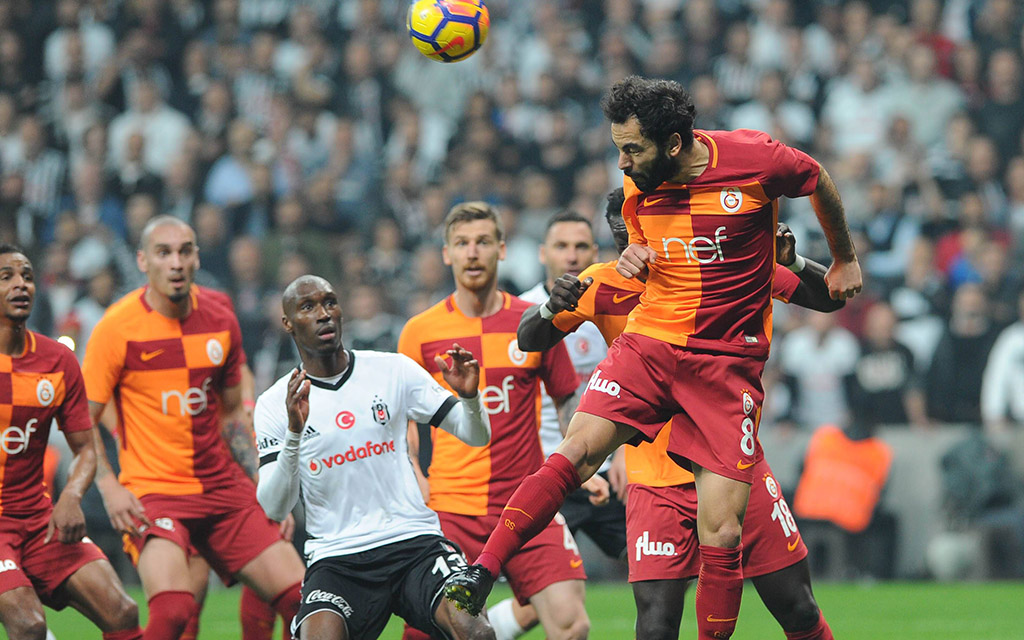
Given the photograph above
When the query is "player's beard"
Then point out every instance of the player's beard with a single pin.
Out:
(662, 168)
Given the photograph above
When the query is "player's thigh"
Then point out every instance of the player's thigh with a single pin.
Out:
(349, 589)
(97, 592)
(275, 569)
(324, 625)
(22, 614)
(721, 505)
(659, 607)
(560, 608)
(199, 576)
(163, 566)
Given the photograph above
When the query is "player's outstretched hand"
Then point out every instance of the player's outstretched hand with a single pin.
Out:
(844, 280)
(463, 374)
(634, 260)
(297, 401)
(566, 292)
(785, 245)
(599, 490)
(67, 521)
(124, 509)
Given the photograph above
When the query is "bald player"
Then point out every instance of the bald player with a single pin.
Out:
(170, 356)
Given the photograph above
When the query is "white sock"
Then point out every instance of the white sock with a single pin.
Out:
(50, 636)
(503, 619)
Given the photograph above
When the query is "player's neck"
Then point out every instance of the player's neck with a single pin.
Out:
(479, 304)
(692, 162)
(12, 338)
(167, 307)
(326, 365)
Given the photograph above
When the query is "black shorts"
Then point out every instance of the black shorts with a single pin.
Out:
(404, 578)
(605, 525)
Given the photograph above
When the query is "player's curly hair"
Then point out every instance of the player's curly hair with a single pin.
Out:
(662, 108)
(469, 211)
(613, 216)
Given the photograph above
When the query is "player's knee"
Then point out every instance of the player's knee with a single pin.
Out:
(726, 534)
(801, 616)
(480, 630)
(30, 625)
(124, 615)
(576, 629)
(655, 620)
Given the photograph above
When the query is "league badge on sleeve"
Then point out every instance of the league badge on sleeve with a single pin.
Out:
(379, 408)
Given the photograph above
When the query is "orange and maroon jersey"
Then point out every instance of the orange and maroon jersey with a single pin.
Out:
(710, 286)
(607, 303)
(42, 384)
(477, 480)
(166, 377)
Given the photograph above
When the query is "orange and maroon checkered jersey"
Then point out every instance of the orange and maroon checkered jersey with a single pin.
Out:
(166, 377)
(710, 286)
(477, 480)
(42, 384)
(607, 303)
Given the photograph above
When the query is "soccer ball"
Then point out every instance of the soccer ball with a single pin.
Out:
(448, 30)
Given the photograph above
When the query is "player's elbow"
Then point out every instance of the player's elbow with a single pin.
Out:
(528, 340)
(273, 507)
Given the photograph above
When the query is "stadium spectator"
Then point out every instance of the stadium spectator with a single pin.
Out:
(162, 128)
(953, 385)
(1002, 383)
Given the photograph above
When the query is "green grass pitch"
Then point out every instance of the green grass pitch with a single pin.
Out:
(909, 611)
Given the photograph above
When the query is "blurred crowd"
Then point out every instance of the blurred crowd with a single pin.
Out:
(309, 136)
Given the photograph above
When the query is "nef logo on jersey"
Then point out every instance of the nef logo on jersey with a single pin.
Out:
(699, 249)
(379, 408)
(45, 392)
(214, 351)
(14, 440)
(601, 385)
(732, 199)
(192, 401)
(644, 547)
(498, 399)
(370, 449)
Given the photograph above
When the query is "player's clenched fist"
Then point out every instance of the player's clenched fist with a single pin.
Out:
(844, 279)
(297, 401)
(463, 375)
(635, 259)
(566, 293)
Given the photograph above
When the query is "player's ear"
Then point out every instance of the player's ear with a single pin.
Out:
(501, 250)
(444, 255)
(140, 260)
(675, 144)
(287, 324)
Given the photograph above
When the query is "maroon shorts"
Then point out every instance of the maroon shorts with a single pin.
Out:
(713, 400)
(26, 561)
(550, 557)
(225, 525)
(661, 530)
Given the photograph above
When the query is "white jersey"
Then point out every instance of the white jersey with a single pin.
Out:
(587, 349)
(355, 477)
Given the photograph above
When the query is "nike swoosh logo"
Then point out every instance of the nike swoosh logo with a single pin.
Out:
(714, 619)
(619, 297)
(146, 356)
(792, 545)
(457, 41)
(576, 563)
(648, 202)
(741, 466)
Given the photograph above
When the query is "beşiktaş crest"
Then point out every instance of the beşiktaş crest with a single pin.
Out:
(379, 408)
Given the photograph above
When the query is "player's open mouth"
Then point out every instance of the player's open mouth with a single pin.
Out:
(326, 334)
(20, 302)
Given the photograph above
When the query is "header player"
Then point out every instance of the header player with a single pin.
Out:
(374, 547)
(661, 493)
(44, 556)
(701, 212)
(469, 486)
(170, 354)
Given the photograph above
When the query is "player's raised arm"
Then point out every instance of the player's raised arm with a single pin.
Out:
(536, 332)
(278, 488)
(123, 508)
(811, 292)
(467, 421)
(843, 277)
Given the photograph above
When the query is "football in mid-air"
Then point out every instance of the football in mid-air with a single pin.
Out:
(448, 30)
